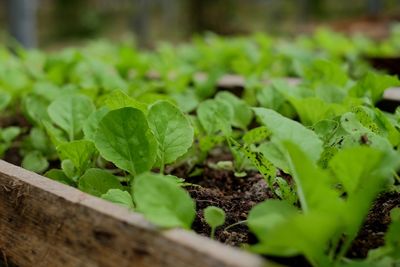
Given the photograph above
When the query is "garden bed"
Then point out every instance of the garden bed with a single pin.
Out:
(45, 223)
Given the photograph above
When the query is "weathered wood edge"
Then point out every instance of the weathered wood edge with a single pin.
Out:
(46, 223)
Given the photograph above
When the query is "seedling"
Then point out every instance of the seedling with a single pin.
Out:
(214, 217)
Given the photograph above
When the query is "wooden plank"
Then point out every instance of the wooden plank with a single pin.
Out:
(46, 223)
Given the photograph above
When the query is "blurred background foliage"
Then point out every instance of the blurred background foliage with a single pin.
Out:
(64, 22)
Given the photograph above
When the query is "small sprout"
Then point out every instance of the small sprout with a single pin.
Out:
(214, 217)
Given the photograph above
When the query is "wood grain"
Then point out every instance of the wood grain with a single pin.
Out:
(45, 223)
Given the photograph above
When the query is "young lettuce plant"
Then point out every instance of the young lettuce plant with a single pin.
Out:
(327, 223)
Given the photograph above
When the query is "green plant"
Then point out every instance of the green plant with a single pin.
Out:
(214, 217)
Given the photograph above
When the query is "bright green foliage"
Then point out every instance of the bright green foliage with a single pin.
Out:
(312, 110)
(214, 217)
(97, 182)
(373, 85)
(79, 152)
(124, 138)
(286, 129)
(172, 130)
(162, 200)
(70, 112)
(215, 116)
(92, 123)
(118, 99)
(35, 161)
(242, 114)
(5, 99)
(7, 135)
(317, 230)
(256, 135)
(59, 176)
(119, 197)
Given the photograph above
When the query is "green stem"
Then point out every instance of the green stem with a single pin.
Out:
(213, 233)
(162, 164)
(234, 224)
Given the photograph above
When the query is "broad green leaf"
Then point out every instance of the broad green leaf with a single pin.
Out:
(35, 161)
(9, 134)
(215, 116)
(124, 138)
(119, 197)
(291, 235)
(92, 123)
(172, 130)
(117, 99)
(214, 216)
(266, 215)
(373, 85)
(35, 108)
(323, 72)
(70, 112)
(242, 113)
(312, 110)
(312, 183)
(97, 182)
(163, 201)
(285, 129)
(353, 165)
(80, 152)
(59, 176)
(358, 134)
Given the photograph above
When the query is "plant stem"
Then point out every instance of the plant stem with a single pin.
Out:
(234, 224)
(162, 165)
(213, 233)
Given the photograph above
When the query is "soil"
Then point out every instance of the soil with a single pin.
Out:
(236, 196)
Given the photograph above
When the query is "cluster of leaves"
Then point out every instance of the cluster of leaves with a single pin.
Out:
(115, 117)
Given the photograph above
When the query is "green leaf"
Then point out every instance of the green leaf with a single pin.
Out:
(97, 182)
(312, 110)
(59, 176)
(256, 135)
(242, 113)
(80, 153)
(70, 112)
(215, 116)
(117, 99)
(163, 201)
(35, 108)
(92, 123)
(312, 183)
(10, 133)
(214, 216)
(5, 99)
(285, 129)
(373, 85)
(266, 215)
(35, 161)
(119, 197)
(172, 130)
(322, 72)
(124, 138)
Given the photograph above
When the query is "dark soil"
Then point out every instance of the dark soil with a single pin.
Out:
(236, 196)
(375, 226)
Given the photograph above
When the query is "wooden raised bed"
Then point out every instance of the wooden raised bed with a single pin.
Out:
(46, 223)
